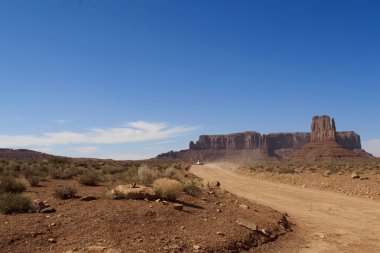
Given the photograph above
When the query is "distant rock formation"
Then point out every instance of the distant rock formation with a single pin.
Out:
(251, 146)
(324, 143)
(22, 155)
(323, 130)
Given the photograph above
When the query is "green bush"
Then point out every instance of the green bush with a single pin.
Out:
(166, 188)
(67, 192)
(10, 184)
(90, 178)
(146, 176)
(14, 203)
(34, 180)
(191, 188)
(173, 173)
(130, 176)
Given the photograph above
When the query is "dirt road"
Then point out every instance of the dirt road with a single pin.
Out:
(328, 222)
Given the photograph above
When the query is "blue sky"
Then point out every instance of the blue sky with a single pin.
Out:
(131, 79)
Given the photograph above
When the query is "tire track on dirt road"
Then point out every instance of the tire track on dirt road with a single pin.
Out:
(328, 222)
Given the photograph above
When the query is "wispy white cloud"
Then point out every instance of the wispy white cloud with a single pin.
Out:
(132, 132)
(372, 146)
(85, 150)
(62, 121)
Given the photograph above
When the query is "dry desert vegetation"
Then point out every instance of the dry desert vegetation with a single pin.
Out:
(67, 205)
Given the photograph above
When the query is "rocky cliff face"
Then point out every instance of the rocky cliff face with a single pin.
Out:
(246, 140)
(270, 142)
(254, 146)
(323, 129)
(349, 139)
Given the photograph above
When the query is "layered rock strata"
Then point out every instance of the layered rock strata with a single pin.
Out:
(255, 146)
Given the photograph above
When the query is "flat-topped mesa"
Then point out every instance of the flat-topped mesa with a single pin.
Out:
(246, 140)
(322, 142)
(323, 130)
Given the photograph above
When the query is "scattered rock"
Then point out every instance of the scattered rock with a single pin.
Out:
(242, 206)
(88, 198)
(364, 178)
(355, 176)
(196, 247)
(247, 224)
(214, 184)
(220, 233)
(52, 240)
(165, 203)
(178, 207)
(303, 186)
(327, 173)
(38, 205)
(48, 210)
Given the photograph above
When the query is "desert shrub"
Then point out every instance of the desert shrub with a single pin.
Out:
(10, 184)
(167, 188)
(90, 178)
(65, 172)
(173, 173)
(66, 192)
(58, 173)
(130, 176)
(146, 176)
(286, 171)
(34, 180)
(14, 203)
(15, 166)
(191, 188)
(110, 169)
(59, 160)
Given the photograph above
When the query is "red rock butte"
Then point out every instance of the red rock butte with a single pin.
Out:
(323, 142)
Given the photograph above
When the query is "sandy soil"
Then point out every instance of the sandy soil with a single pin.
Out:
(118, 226)
(367, 186)
(327, 221)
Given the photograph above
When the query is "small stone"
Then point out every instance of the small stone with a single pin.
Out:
(218, 210)
(196, 247)
(88, 198)
(355, 176)
(165, 203)
(39, 205)
(52, 240)
(183, 227)
(215, 184)
(247, 224)
(303, 186)
(48, 210)
(157, 200)
(244, 206)
(178, 207)
(220, 233)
